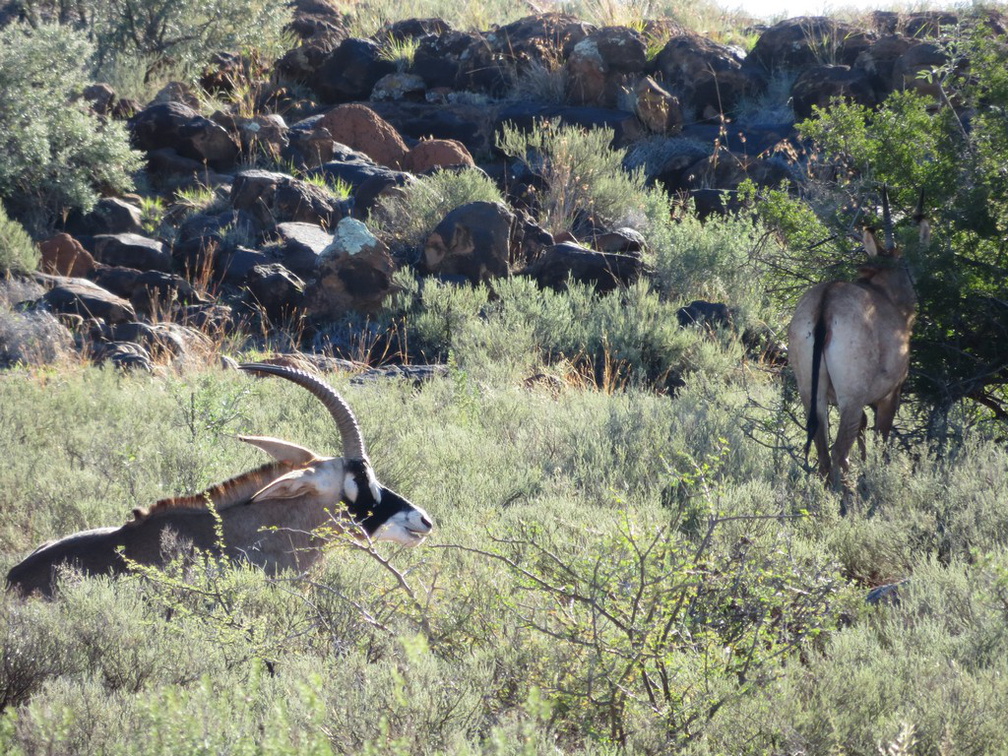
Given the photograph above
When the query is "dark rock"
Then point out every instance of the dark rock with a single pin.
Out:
(374, 188)
(803, 41)
(299, 245)
(708, 78)
(179, 127)
(131, 250)
(917, 59)
(529, 240)
(710, 315)
(274, 198)
(818, 86)
(350, 71)
(439, 59)
(570, 262)
(277, 290)
(878, 60)
(354, 274)
(110, 215)
(150, 292)
(473, 240)
(77, 296)
(414, 28)
(309, 147)
(601, 65)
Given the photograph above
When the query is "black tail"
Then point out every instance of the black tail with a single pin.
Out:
(818, 344)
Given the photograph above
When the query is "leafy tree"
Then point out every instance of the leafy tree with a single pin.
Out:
(175, 33)
(953, 150)
(56, 155)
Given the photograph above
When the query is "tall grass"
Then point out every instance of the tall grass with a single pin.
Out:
(611, 572)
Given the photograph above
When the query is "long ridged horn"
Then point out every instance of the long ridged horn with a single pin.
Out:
(890, 242)
(350, 433)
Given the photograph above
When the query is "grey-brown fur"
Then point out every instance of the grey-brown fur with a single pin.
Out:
(268, 516)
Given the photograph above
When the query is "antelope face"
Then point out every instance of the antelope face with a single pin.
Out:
(384, 514)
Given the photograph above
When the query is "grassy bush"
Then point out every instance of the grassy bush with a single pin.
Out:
(404, 219)
(57, 155)
(583, 179)
(18, 253)
(612, 572)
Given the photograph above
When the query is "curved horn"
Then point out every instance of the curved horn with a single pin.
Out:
(890, 242)
(350, 433)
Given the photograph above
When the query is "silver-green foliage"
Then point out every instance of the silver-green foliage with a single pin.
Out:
(57, 155)
(152, 34)
(620, 572)
(406, 217)
(18, 253)
(583, 177)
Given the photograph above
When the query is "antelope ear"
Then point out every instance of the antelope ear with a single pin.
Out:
(318, 481)
(871, 244)
(281, 451)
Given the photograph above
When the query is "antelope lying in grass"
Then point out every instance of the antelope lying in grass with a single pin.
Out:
(849, 345)
(268, 516)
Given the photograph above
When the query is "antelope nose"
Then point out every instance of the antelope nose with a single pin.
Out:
(426, 522)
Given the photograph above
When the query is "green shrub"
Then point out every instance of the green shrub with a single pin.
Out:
(405, 218)
(56, 154)
(18, 253)
(148, 35)
(583, 178)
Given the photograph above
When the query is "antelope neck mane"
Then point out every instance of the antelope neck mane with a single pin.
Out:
(232, 492)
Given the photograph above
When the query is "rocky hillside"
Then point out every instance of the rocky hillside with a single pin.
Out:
(290, 174)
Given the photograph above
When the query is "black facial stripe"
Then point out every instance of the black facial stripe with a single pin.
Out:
(366, 511)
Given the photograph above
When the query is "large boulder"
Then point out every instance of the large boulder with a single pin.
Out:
(63, 255)
(274, 198)
(360, 128)
(429, 154)
(110, 215)
(473, 241)
(77, 296)
(354, 273)
(178, 127)
(819, 85)
(276, 290)
(566, 262)
(603, 64)
(350, 71)
(131, 250)
(298, 246)
(707, 77)
(803, 41)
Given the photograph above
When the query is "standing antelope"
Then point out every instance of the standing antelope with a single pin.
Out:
(269, 516)
(849, 345)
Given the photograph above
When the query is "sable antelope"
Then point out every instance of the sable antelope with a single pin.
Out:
(269, 516)
(849, 345)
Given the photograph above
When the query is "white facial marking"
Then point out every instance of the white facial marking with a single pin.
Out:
(350, 488)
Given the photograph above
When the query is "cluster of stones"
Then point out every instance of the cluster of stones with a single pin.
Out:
(286, 250)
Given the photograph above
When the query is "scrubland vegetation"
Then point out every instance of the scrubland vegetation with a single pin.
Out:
(630, 554)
